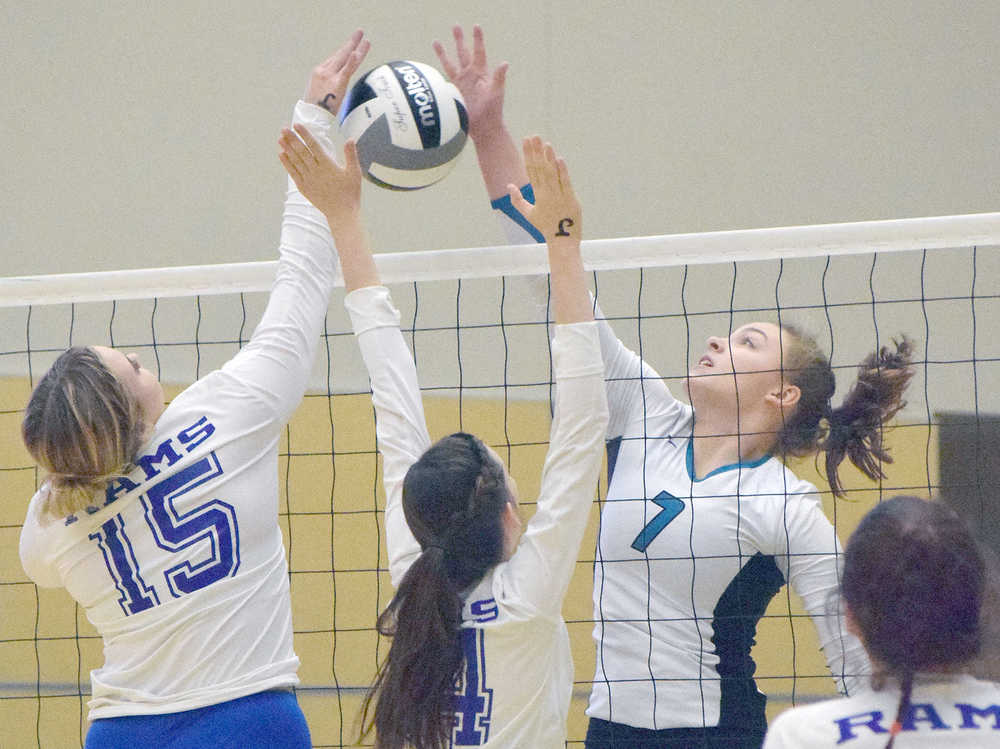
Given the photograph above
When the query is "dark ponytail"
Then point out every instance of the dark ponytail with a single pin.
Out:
(853, 430)
(914, 581)
(453, 500)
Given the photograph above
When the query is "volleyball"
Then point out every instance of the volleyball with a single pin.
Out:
(410, 124)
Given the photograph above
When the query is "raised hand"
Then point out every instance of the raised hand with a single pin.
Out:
(556, 212)
(482, 89)
(334, 190)
(328, 80)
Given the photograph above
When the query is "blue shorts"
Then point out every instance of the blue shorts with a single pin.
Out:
(266, 720)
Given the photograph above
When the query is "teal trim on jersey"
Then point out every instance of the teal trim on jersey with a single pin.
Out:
(507, 206)
(729, 467)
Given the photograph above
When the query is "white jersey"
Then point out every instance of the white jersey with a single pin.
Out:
(954, 712)
(686, 565)
(181, 567)
(518, 676)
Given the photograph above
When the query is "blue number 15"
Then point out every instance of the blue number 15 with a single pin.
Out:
(214, 521)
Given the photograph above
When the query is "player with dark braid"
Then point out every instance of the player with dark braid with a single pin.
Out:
(480, 653)
(913, 586)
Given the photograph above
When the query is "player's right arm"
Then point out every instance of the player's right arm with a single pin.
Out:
(401, 428)
(275, 365)
(501, 164)
(499, 157)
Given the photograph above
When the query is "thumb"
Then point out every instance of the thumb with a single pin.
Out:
(351, 163)
(517, 200)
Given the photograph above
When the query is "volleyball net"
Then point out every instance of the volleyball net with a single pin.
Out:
(476, 320)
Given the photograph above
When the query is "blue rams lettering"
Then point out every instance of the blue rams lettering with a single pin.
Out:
(189, 438)
(921, 716)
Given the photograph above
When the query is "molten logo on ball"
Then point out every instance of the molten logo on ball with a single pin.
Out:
(409, 122)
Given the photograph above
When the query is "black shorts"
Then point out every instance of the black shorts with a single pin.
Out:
(602, 734)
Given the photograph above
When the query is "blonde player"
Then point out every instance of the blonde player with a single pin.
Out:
(477, 603)
(162, 523)
(913, 586)
(703, 523)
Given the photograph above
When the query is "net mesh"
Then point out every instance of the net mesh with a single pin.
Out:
(476, 321)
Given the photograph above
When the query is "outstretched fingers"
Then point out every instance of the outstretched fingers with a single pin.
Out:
(312, 151)
(347, 50)
(352, 166)
(293, 153)
(449, 67)
(460, 49)
(478, 48)
(536, 155)
(563, 173)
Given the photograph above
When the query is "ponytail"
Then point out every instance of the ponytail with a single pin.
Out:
(453, 500)
(903, 711)
(83, 427)
(854, 429)
(415, 685)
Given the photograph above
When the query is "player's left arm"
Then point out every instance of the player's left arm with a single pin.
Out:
(813, 567)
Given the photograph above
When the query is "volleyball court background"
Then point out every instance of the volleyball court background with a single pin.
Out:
(482, 355)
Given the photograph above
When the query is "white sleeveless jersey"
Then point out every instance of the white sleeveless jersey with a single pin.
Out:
(686, 566)
(515, 689)
(181, 567)
(957, 712)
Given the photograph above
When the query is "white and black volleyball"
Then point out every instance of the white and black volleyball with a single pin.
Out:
(410, 124)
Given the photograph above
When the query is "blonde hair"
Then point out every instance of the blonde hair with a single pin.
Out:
(83, 428)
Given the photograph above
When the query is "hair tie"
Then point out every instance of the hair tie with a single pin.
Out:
(73, 476)
(840, 431)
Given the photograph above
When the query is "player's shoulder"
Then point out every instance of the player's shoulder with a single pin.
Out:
(807, 724)
(777, 479)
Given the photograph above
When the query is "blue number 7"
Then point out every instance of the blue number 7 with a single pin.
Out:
(214, 521)
(671, 508)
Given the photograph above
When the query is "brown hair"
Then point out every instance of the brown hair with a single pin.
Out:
(854, 429)
(453, 498)
(914, 580)
(82, 427)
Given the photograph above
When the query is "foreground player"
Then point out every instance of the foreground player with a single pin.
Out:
(704, 524)
(476, 604)
(163, 523)
(913, 585)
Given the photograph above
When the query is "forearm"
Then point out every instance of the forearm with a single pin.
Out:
(500, 161)
(356, 261)
(400, 425)
(570, 295)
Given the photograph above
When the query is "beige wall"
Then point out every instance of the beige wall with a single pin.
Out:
(143, 134)
(66, 647)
